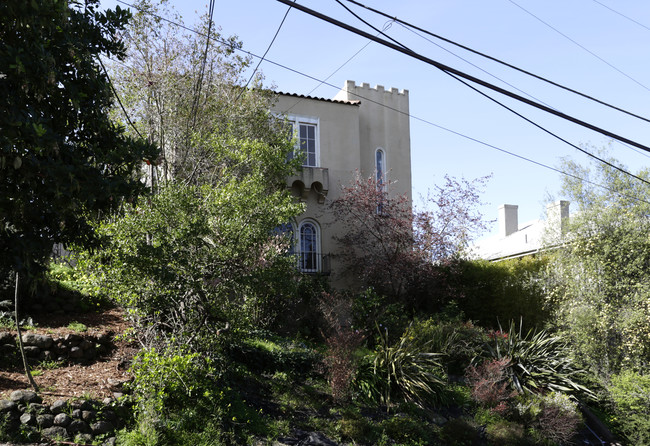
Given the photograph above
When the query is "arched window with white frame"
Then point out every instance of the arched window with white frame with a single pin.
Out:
(309, 249)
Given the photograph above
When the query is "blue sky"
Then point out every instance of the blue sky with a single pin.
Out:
(591, 49)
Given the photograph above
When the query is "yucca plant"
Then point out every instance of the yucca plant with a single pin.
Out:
(538, 361)
(402, 372)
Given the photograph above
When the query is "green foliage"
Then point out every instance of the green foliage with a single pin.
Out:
(630, 392)
(61, 159)
(195, 258)
(537, 361)
(460, 432)
(408, 430)
(77, 326)
(599, 281)
(513, 289)
(402, 372)
(459, 342)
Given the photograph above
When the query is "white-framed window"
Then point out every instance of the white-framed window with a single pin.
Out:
(309, 258)
(307, 136)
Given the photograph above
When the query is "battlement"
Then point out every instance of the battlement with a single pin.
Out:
(351, 85)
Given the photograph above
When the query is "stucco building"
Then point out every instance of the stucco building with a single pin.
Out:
(362, 129)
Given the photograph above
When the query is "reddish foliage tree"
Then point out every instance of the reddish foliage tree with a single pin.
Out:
(391, 247)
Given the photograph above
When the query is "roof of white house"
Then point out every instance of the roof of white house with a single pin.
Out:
(514, 240)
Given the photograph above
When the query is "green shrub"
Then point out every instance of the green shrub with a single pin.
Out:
(460, 432)
(538, 361)
(404, 371)
(630, 392)
(506, 433)
(555, 417)
(405, 429)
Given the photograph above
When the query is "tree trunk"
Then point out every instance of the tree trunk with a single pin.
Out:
(28, 372)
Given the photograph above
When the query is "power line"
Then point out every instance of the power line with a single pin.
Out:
(528, 73)
(454, 132)
(264, 55)
(581, 46)
(128, 119)
(622, 15)
(465, 76)
(509, 108)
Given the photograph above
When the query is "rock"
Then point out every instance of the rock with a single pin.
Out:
(316, 439)
(7, 349)
(87, 415)
(38, 340)
(55, 433)
(7, 338)
(25, 396)
(7, 406)
(62, 419)
(108, 400)
(76, 414)
(31, 351)
(90, 353)
(109, 416)
(78, 427)
(105, 338)
(59, 406)
(6, 305)
(84, 438)
(76, 353)
(102, 427)
(45, 420)
(111, 441)
(85, 344)
(73, 339)
(28, 419)
(37, 408)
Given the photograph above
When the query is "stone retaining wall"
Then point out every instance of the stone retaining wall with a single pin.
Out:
(83, 421)
(71, 347)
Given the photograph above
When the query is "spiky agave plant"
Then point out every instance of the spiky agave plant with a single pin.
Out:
(539, 361)
(404, 371)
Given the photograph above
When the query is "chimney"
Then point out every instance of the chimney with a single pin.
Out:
(557, 216)
(508, 220)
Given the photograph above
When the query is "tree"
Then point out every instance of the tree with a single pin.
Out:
(202, 254)
(181, 88)
(599, 279)
(391, 247)
(62, 159)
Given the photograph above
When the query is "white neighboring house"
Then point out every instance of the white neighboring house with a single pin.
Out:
(514, 240)
(361, 129)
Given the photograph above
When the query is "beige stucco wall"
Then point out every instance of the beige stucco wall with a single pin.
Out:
(351, 127)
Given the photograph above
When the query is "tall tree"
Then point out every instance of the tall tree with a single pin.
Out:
(600, 278)
(203, 252)
(61, 158)
(183, 87)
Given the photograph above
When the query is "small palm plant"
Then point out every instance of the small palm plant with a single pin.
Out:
(402, 372)
(538, 361)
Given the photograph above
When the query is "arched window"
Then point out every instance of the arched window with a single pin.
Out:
(309, 256)
(380, 168)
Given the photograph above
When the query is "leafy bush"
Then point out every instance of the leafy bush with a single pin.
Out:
(489, 384)
(538, 361)
(555, 417)
(630, 392)
(506, 433)
(402, 372)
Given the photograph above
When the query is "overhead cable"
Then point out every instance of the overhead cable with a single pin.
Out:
(494, 59)
(581, 46)
(417, 118)
(622, 15)
(450, 70)
(264, 55)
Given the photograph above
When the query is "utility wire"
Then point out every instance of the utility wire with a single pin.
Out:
(528, 73)
(128, 119)
(463, 75)
(454, 132)
(387, 25)
(509, 108)
(264, 55)
(581, 46)
(622, 15)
